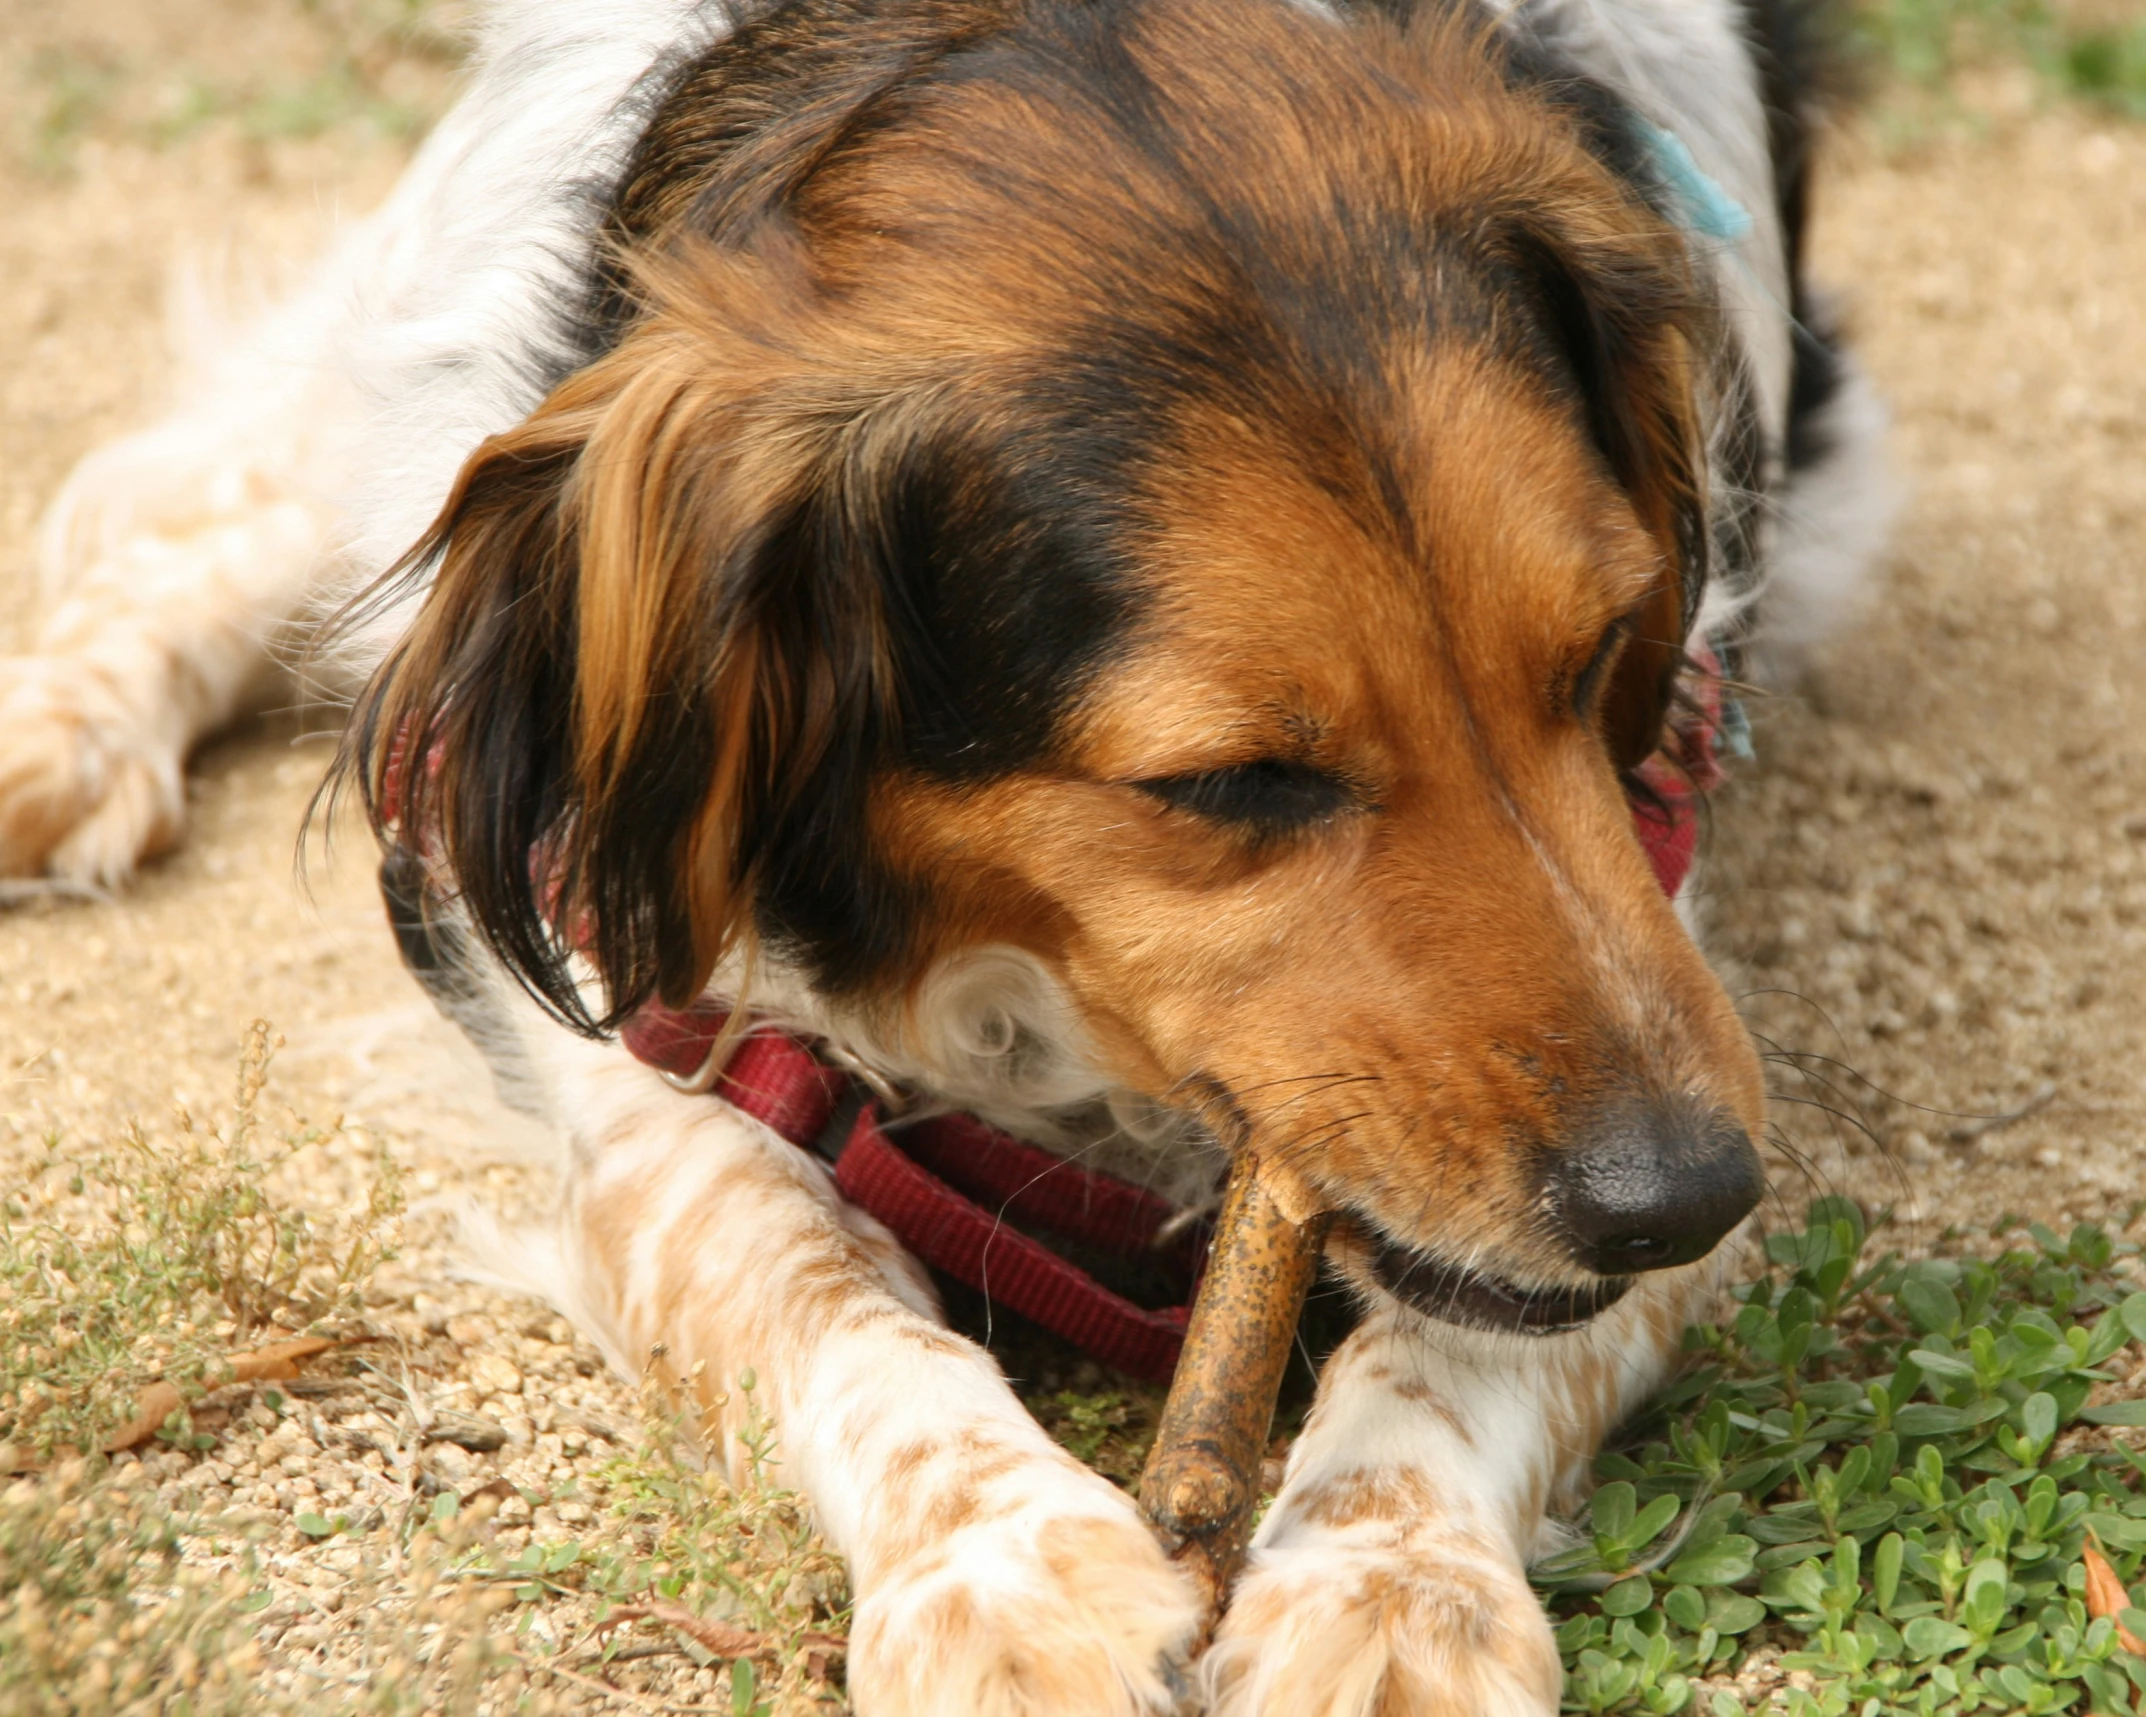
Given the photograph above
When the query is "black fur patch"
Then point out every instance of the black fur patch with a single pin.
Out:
(1792, 44)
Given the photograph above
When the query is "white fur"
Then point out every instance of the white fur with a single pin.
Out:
(1834, 518)
(1417, 1588)
(1684, 64)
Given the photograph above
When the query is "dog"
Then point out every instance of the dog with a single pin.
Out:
(1121, 565)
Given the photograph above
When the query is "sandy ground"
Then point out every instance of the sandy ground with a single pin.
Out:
(137, 1006)
(1936, 874)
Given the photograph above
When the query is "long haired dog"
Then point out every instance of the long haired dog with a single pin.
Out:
(1106, 558)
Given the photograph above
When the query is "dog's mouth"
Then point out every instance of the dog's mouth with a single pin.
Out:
(1475, 1299)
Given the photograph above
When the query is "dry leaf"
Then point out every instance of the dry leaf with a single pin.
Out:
(2105, 1596)
(160, 1400)
(724, 1639)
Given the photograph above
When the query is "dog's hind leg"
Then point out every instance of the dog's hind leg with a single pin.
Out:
(1389, 1577)
(175, 561)
(184, 565)
(995, 1576)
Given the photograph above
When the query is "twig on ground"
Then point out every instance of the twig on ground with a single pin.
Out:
(725, 1639)
(274, 1363)
(599, 1685)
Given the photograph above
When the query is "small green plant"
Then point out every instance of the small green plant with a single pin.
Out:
(1109, 1430)
(730, 1573)
(2107, 66)
(108, 1608)
(1887, 1472)
(160, 1257)
(744, 1552)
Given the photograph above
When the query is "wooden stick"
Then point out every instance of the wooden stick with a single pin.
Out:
(1202, 1476)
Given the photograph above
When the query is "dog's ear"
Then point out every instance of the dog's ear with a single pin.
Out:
(1630, 328)
(639, 649)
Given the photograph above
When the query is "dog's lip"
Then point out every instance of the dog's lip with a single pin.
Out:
(1475, 1299)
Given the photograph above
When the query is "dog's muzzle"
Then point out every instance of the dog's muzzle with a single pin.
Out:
(1649, 1184)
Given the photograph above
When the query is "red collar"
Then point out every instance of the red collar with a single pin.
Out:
(1668, 832)
(1688, 767)
(952, 1187)
(951, 1190)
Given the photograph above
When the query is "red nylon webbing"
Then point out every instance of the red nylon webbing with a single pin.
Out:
(1670, 836)
(1030, 1185)
(777, 1079)
(772, 1076)
(954, 1234)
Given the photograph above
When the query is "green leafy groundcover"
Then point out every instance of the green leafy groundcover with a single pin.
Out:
(1887, 1472)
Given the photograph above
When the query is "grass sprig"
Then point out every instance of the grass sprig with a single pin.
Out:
(161, 1255)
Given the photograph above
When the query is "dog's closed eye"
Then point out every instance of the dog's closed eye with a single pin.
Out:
(1268, 797)
(1587, 683)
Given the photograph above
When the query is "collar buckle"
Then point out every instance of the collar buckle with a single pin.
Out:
(893, 1099)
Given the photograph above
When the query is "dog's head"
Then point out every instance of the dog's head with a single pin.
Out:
(1204, 496)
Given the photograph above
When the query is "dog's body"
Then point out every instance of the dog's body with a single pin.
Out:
(1114, 562)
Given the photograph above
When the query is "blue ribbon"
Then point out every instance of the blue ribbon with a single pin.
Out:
(1708, 209)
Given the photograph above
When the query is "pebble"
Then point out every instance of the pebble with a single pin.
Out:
(468, 1431)
(469, 1329)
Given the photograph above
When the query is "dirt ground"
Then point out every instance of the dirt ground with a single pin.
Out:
(1934, 875)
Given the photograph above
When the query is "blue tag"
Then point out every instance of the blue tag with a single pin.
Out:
(1734, 729)
(1708, 208)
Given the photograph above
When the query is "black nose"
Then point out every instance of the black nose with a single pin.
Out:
(1653, 1184)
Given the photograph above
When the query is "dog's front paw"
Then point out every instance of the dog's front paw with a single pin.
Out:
(1322, 1631)
(1026, 1616)
(85, 793)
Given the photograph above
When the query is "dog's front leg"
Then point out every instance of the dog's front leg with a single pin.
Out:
(994, 1574)
(1389, 1577)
